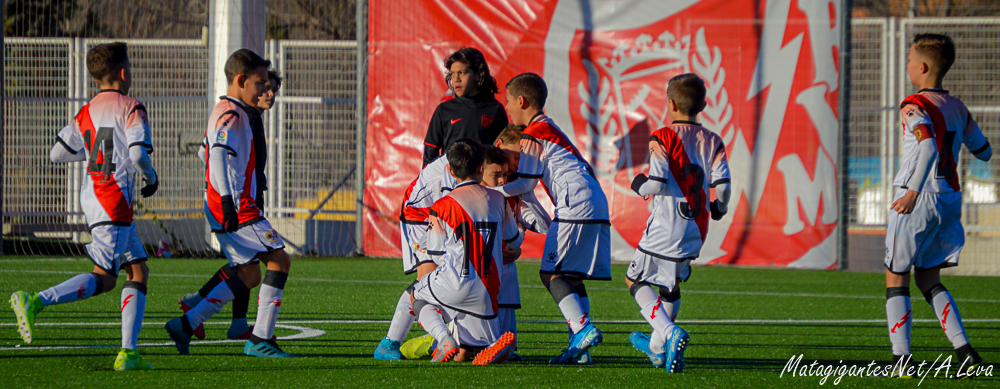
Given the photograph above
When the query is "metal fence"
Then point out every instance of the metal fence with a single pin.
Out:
(311, 141)
(879, 83)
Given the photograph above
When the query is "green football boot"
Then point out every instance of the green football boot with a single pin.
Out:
(26, 306)
(131, 360)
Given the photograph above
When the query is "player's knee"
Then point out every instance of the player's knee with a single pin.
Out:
(933, 291)
(580, 289)
(249, 274)
(635, 287)
(560, 288)
(670, 296)
(279, 258)
(138, 272)
(418, 305)
(104, 282)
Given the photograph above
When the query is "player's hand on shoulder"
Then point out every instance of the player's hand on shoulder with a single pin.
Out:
(904, 205)
(637, 183)
(509, 256)
(150, 188)
(230, 217)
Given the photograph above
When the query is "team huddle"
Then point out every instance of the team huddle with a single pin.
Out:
(463, 219)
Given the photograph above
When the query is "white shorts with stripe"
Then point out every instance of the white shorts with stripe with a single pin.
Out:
(467, 330)
(245, 244)
(929, 237)
(578, 249)
(661, 272)
(510, 290)
(115, 246)
(410, 236)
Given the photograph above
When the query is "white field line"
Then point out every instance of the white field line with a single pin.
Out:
(304, 333)
(719, 292)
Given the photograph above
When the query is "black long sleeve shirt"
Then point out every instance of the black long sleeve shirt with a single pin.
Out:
(480, 117)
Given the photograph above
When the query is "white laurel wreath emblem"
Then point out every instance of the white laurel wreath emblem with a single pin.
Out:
(607, 110)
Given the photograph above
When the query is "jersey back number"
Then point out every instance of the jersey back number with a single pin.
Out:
(102, 149)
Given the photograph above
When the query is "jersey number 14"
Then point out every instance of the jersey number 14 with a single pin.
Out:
(102, 150)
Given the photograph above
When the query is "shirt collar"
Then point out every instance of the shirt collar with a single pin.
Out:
(685, 122)
(467, 183)
(936, 90)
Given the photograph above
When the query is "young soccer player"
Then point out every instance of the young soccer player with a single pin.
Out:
(685, 161)
(529, 215)
(239, 329)
(244, 234)
(112, 133)
(925, 224)
(578, 245)
(464, 237)
(433, 183)
(473, 112)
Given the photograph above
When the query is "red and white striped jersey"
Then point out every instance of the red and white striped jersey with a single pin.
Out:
(548, 155)
(529, 213)
(689, 159)
(433, 183)
(104, 129)
(229, 132)
(934, 114)
(467, 229)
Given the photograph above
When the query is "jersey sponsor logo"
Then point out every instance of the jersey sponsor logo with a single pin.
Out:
(271, 236)
(127, 300)
(551, 258)
(902, 321)
(221, 138)
(487, 121)
(456, 120)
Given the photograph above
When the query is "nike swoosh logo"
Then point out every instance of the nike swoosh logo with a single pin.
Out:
(455, 121)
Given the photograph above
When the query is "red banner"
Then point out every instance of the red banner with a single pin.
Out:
(772, 74)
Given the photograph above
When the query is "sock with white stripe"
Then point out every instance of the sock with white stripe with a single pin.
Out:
(433, 321)
(900, 319)
(652, 310)
(133, 310)
(268, 304)
(569, 303)
(403, 318)
(222, 294)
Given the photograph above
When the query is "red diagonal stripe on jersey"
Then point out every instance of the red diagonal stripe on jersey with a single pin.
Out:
(947, 165)
(678, 158)
(542, 129)
(411, 213)
(106, 189)
(450, 212)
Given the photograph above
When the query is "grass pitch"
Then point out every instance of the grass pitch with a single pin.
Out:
(745, 324)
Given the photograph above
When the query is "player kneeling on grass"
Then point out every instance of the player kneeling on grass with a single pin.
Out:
(112, 133)
(238, 223)
(682, 157)
(238, 328)
(464, 238)
(578, 245)
(925, 224)
(529, 215)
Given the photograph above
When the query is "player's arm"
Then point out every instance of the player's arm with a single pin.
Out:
(916, 122)
(220, 156)
(659, 171)
(435, 240)
(68, 147)
(720, 181)
(201, 151)
(974, 140)
(532, 215)
(530, 168)
(140, 144)
(434, 139)
(512, 236)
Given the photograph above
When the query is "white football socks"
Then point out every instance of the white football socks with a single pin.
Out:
(77, 288)
(133, 310)
(432, 319)
(211, 304)
(402, 319)
(947, 313)
(572, 310)
(652, 310)
(269, 303)
(900, 319)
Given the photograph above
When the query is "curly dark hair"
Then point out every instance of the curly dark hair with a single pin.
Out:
(475, 60)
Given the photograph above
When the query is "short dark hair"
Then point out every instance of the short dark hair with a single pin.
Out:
(243, 62)
(938, 49)
(274, 75)
(465, 157)
(511, 135)
(688, 92)
(494, 155)
(104, 61)
(531, 86)
(476, 62)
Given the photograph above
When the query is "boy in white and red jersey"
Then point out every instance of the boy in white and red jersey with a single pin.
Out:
(466, 232)
(231, 209)
(433, 183)
(239, 328)
(578, 245)
(112, 133)
(685, 161)
(925, 225)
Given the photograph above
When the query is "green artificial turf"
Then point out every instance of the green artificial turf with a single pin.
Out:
(745, 324)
